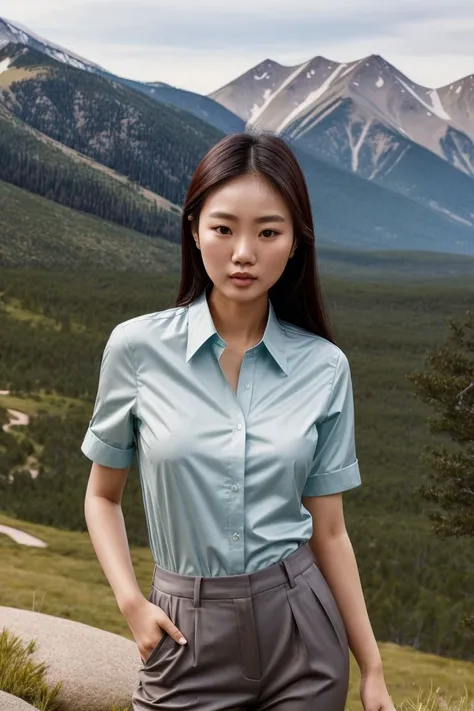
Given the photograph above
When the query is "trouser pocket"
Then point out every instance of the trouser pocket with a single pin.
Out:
(320, 625)
(168, 660)
(156, 649)
(325, 598)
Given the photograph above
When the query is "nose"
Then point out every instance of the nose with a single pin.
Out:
(244, 250)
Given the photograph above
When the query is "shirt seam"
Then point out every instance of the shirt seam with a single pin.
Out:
(328, 472)
(131, 353)
(332, 385)
(177, 311)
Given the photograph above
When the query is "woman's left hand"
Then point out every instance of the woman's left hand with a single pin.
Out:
(374, 694)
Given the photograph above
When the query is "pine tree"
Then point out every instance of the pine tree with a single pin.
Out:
(449, 388)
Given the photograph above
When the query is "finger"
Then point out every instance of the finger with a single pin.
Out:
(173, 631)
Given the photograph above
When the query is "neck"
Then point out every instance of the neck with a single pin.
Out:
(240, 323)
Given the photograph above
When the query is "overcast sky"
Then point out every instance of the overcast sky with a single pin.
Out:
(202, 45)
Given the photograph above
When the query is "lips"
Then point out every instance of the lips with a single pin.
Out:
(242, 276)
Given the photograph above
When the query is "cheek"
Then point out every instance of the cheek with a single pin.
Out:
(276, 259)
(215, 254)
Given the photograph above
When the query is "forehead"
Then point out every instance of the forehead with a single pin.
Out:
(246, 196)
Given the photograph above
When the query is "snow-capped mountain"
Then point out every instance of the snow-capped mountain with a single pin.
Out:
(380, 106)
(200, 106)
(17, 34)
(402, 155)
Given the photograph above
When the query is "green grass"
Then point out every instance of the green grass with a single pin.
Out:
(65, 578)
(21, 676)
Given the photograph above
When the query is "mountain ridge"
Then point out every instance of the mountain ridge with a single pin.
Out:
(15, 31)
(157, 140)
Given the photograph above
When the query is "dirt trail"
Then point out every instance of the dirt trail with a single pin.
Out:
(19, 418)
(21, 537)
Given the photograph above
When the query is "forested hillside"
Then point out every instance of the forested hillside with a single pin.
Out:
(153, 144)
(39, 233)
(31, 161)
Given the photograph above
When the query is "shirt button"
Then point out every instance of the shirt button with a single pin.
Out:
(236, 536)
(247, 385)
(239, 427)
(234, 487)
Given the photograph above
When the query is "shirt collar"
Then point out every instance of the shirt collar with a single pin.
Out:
(201, 328)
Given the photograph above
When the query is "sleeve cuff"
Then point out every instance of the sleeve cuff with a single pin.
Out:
(105, 454)
(333, 482)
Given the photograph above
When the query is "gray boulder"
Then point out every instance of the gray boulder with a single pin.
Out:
(13, 703)
(98, 668)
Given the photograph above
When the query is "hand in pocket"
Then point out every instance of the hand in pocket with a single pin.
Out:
(149, 623)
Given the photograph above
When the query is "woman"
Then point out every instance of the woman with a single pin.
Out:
(239, 407)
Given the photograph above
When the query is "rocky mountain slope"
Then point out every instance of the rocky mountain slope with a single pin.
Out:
(353, 126)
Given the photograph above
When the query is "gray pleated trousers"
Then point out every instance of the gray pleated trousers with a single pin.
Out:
(270, 639)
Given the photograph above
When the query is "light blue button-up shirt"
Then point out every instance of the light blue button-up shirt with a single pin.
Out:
(223, 473)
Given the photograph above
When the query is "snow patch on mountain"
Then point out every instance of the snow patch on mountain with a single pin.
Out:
(436, 107)
(20, 34)
(256, 111)
(346, 71)
(5, 64)
(68, 59)
(312, 96)
(25, 36)
(355, 145)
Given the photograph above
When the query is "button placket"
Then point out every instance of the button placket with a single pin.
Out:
(237, 470)
(236, 498)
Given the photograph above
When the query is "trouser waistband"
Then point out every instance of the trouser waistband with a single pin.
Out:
(230, 586)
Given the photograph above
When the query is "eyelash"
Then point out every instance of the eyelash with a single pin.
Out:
(267, 230)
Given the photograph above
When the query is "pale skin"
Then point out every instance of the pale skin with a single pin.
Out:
(239, 313)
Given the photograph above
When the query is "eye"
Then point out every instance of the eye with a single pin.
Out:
(226, 228)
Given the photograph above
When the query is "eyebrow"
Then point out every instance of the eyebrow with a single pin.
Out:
(263, 218)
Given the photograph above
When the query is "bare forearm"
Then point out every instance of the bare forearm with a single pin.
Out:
(337, 562)
(108, 534)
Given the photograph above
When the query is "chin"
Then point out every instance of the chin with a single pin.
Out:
(236, 293)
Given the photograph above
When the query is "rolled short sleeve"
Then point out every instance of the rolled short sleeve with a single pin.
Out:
(335, 467)
(109, 439)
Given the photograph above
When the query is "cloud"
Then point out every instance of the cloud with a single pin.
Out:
(254, 25)
(202, 46)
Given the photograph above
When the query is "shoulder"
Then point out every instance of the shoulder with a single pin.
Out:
(140, 329)
(313, 348)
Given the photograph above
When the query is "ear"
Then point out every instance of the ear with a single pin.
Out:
(195, 234)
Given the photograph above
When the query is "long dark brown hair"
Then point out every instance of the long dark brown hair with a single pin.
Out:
(296, 296)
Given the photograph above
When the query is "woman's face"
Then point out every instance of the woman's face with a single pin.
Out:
(254, 235)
